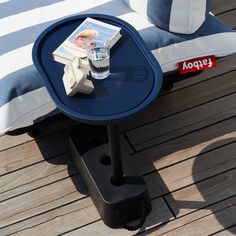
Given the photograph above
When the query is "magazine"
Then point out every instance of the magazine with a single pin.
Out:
(74, 46)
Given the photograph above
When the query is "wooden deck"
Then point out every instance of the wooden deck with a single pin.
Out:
(184, 145)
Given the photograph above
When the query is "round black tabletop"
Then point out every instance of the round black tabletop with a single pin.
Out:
(135, 78)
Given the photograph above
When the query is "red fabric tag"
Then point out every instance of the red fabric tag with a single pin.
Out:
(196, 64)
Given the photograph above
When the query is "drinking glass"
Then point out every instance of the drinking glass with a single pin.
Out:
(98, 53)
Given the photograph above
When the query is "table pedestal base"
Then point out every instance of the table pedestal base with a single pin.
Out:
(116, 204)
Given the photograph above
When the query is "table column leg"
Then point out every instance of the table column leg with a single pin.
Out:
(115, 152)
(121, 200)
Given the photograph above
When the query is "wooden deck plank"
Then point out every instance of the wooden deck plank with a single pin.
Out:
(125, 143)
(195, 169)
(153, 181)
(187, 146)
(159, 215)
(98, 228)
(37, 191)
(41, 200)
(229, 18)
(209, 224)
(185, 99)
(224, 65)
(35, 176)
(191, 218)
(219, 6)
(25, 180)
(183, 123)
(33, 152)
(203, 194)
(8, 141)
(228, 232)
(77, 214)
(60, 219)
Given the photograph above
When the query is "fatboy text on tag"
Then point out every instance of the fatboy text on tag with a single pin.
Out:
(201, 63)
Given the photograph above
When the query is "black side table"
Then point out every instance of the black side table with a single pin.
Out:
(116, 188)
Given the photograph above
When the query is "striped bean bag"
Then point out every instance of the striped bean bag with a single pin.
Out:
(23, 98)
(179, 16)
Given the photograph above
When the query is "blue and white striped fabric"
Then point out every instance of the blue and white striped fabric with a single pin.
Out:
(24, 100)
(179, 16)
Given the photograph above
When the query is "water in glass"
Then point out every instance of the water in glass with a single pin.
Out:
(99, 61)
